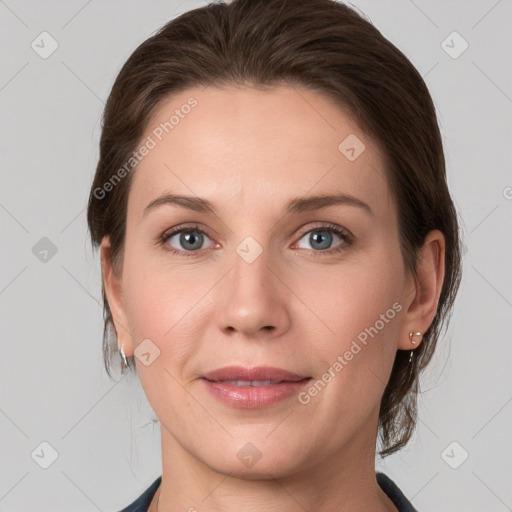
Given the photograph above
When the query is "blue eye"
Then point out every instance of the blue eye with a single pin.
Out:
(321, 239)
(189, 241)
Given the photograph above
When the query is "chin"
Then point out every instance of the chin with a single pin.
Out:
(249, 462)
(261, 471)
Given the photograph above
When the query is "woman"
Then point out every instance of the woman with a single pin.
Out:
(279, 253)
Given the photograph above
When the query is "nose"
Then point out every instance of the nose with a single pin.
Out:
(253, 301)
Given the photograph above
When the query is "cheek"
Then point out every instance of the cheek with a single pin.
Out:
(167, 306)
(354, 300)
(150, 300)
(149, 306)
(163, 307)
(158, 309)
(360, 311)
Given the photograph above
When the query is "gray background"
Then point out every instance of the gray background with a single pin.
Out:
(53, 387)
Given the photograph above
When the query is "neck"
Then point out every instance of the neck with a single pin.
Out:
(344, 481)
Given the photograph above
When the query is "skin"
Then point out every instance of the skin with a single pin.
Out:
(295, 306)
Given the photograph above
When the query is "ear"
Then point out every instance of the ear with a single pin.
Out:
(425, 289)
(112, 284)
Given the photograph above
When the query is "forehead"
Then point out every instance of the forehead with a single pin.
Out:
(249, 146)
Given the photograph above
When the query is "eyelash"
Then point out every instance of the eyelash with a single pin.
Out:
(344, 234)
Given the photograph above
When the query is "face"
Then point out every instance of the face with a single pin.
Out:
(268, 275)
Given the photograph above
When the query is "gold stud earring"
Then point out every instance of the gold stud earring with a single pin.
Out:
(412, 334)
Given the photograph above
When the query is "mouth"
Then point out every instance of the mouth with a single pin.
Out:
(255, 376)
(253, 388)
(255, 383)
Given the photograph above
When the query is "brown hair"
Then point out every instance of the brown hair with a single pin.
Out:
(328, 47)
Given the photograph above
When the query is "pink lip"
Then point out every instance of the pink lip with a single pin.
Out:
(257, 373)
(253, 397)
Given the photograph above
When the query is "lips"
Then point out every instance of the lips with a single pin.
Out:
(253, 388)
(259, 376)
(250, 382)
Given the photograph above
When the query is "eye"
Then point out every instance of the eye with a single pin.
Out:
(184, 240)
(188, 241)
(321, 239)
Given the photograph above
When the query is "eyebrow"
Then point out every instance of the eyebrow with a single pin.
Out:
(297, 205)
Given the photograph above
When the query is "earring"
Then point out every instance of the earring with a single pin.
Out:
(123, 356)
(411, 336)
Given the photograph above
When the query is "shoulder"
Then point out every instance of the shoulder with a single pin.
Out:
(142, 503)
(394, 493)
